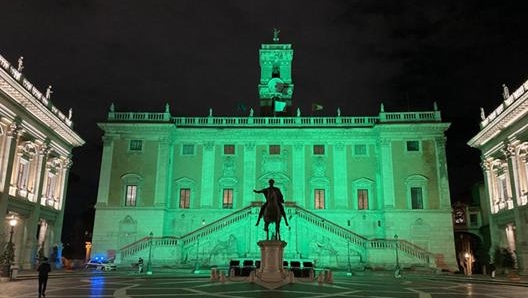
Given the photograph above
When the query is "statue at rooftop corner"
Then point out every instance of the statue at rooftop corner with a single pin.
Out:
(210, 112)
(338, 112)
(166, 108)
(435, 106)
(112, 108)
(382, 108)
(276, 34)
(70, 112)
(272, 210)
(298, 112)
(20, 64)
(48, 92)
(251, 112)
(482, 114)
(505, 91)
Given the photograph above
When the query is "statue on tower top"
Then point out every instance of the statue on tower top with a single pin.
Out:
(276, 34)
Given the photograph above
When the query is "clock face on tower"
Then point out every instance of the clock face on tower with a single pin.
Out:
(276, 85)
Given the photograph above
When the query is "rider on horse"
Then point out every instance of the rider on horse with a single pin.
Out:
(268, 192)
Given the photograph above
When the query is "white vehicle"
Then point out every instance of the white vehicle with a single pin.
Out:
(100, 264)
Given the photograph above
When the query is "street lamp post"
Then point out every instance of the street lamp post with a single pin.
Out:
(149, 264)
(397, 272)
(11, 249)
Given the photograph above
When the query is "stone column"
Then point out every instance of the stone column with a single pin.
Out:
(208, 166)
(106, 171)
(521, 241)
(488, 185)
(30, 242)
(249, 175)
(387, 173)
(340, 177)
(57, 225)
(9, 159)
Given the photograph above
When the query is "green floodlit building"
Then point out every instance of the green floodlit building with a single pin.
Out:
(359, 191)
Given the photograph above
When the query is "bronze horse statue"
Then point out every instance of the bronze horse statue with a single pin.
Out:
(272, 214)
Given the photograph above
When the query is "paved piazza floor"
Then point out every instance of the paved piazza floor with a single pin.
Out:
(120, 285)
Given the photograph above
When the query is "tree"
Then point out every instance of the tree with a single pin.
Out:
(7, 258)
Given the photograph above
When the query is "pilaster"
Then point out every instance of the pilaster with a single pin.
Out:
(441, 172)
(160, 197)
(298, 174)
(249, 174)
(387, 172)
(340, 176)
(106, 170)
(208, 166)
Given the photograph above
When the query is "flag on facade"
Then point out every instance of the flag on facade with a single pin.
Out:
(316, 107)
(279, 106)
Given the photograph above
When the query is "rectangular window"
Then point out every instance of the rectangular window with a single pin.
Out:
(229, 149)
(473, 219)
(227, 200)
(131, 195)
(135, 145)
(187, 149)
(274, 149)
(185, 198)
(318, 149)
(22, 175)
(362, 195)
(416, 198)
(50, 186)
(319, 197)
(360, 149)
(413, 146)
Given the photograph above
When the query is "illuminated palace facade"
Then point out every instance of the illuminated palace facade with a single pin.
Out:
(503, 142)
(36, 140)
(357, 189)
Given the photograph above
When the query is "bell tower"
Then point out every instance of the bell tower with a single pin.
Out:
(276, 85)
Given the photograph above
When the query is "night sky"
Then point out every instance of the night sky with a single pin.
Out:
(198, 54)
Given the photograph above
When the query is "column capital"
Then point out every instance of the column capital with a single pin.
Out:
(14, 129)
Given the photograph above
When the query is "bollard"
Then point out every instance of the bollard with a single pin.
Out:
(329, 277)
(320, 278)
(222, 277)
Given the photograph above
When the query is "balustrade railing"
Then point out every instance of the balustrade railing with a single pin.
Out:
(216, 225)
(338, 121)
(144, 243)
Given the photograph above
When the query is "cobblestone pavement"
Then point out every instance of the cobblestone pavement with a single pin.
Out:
(185, 284)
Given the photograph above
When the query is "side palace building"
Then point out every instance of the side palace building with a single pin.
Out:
(360, 191)
(36, 141)
(503, 143)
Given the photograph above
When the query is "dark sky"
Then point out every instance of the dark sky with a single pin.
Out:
(198, 54)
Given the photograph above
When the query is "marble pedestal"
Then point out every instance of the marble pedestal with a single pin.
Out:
(271, 256)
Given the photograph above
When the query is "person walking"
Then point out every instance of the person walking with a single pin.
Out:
(43, 269)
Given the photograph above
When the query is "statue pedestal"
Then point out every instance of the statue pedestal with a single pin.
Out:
(271, 256)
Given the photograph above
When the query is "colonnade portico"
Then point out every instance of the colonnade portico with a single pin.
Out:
(36, 141)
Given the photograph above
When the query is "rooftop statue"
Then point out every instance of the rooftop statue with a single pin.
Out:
(251, 112)
(20, 64)
(505, 91)
(482, 114)
(276, 34)
(70, 113)
(48, 92)
(338, 112)
(210, 112)
(298, 112)
(112, 108)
